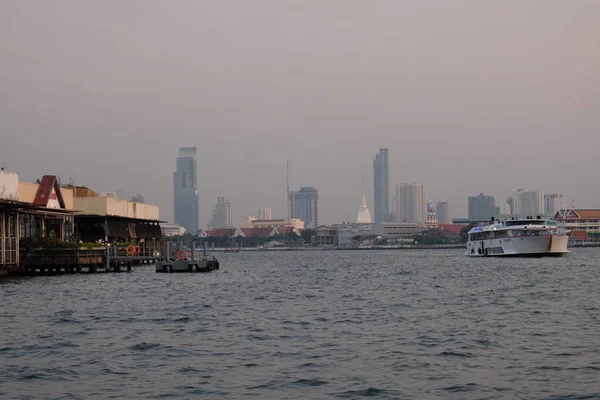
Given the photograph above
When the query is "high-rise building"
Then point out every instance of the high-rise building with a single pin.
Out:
(443, 214)
(185, 190)
(552, 203)
(528, 202)
(364, 215)
(482, 207)
(381, 189)
(510, 202)
(304, 205)
(264, 213)
(221, 215)
(410, 203)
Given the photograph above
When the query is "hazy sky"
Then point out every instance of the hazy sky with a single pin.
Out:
(469, 96)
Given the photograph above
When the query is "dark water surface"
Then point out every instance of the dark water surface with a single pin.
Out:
(290, 325)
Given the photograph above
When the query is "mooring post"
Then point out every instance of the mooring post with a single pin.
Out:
(107, 260)
(168, 250)
(193, 250)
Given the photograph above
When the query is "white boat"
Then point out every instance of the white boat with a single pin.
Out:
(526, 237)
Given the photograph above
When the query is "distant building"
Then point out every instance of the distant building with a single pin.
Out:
(364, 215)
(398, 230)
(482, 207)
(443, 214)
(246, 222)
(510, 202)
(528, 202)
(553, 203)
(221, 215)
(381, 189)
(136, 198)
(171, 229)
(304, 205)
(431, 215)
(278, 223)
(410, 203)
(264, 213)
(185, 191)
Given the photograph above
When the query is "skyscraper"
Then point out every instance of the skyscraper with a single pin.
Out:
(482, 207)
(552, 203)
(221, 215)
(264, 213)
(381, 189)
(304, 205)
(410, 203)
(443, 214)
(185, 191)
(529, 202)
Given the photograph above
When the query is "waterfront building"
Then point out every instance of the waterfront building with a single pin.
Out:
(528, 202)
(583, 224)
(169, 230)
(185, 190)
(398, 230)
(410, 203)
(221, 215)
(31, 211)
(264, 213)
(352, 235)
(381, 186)
(482, 207)
(553, 203)
(304, 205)
(443, 213)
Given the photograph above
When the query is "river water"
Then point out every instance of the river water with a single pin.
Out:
(326, 324)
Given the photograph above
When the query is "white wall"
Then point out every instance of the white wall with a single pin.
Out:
(9, 186)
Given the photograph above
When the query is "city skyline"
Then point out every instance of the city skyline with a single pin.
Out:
(462, 91)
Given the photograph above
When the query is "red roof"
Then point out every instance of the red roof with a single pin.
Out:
(44, 191)
(283, 231)
(220, 232)
(454, 228)
(257, 232)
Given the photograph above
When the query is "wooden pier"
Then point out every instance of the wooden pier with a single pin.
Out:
(88, 260)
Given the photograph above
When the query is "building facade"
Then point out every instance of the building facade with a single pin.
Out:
(410, 203)
(443, 213)
(264, 213)
(381, 188)
(185, 190)
(221, 215)
(482, 207)
(582, 224)
(528, 202)
(304, 205)
(553, 203)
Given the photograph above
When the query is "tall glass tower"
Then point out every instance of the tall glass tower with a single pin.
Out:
(381, 189)
(185, 190)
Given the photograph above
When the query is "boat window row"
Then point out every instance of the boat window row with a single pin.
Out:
(508, 234)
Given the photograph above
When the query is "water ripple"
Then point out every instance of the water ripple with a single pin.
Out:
(289, 325)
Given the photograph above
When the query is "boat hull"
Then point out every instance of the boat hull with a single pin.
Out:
(528, 246)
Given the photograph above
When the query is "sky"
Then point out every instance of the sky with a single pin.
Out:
(469, 97)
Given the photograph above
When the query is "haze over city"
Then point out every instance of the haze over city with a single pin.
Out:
(468, 96)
